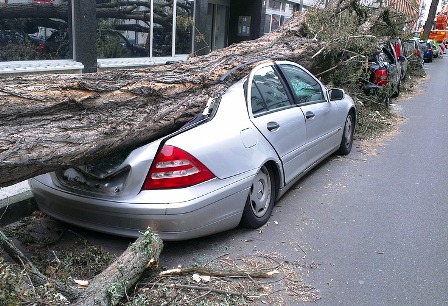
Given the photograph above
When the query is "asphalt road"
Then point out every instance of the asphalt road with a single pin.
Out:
(366, 229)
(370, 228)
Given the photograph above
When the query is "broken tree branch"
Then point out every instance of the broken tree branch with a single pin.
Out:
(201, 288)
(48, 122)
(34, 274)
(219, 273)
(109, 286)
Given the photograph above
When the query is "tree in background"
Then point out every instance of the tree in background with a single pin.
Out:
(430, 20)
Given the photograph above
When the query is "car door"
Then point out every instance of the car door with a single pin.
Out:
(394, 68)
(277, 117)
(321, 115)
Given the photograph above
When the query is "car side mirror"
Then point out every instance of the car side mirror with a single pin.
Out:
(337, 94)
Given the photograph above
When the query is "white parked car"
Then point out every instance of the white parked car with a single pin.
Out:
(227, 167)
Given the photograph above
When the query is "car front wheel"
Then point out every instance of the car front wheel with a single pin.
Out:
(260, 201)
(347, 135)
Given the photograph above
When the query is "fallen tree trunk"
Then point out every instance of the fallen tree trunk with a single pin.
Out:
(53, 121)
(112, 284)
(36, 277)
(108, 287)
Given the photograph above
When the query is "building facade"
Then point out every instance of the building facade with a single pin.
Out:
(410, 8)
(156, 30)
(233, 21)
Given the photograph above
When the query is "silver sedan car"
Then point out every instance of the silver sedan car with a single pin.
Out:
(225, 168)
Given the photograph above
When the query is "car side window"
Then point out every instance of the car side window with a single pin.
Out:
(267, 91)
(381, 59)
(304, 87)
(389, 57)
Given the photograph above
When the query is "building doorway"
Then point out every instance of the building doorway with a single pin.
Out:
(216, 34)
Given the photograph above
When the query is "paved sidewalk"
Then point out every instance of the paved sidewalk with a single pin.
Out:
(16, 202)
(14, 189)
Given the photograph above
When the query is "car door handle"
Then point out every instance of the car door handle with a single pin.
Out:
(272, 126)
(309, 115)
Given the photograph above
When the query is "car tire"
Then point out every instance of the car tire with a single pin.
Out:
(430, 60)
(384, 97)
(260, 200)
(347, 135)
(397, 91)
(387, 101)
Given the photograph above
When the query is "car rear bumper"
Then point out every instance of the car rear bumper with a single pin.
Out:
(203, 215)
(373, 89)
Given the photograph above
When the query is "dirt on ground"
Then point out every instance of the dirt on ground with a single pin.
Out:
(68, 253)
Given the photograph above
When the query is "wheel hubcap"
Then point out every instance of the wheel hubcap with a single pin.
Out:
(260, 189)
(348, 131)
(260, 193)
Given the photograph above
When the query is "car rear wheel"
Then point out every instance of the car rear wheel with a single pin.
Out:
(397, 91)
(260, 200)
(347, 135)
(386, 101)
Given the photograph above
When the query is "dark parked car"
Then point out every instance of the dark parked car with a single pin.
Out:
(402, 60)
(114, 44)
(384, 73)
(110, 44)
(15, 46)
(57, 44)
(413, 51)
(428, 53)
(435, 47)
(10, 37)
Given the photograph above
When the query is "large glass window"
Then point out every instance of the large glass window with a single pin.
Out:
(125, 29)
(275, 23)
(128, 32)
(275, 4)
(43, 36)
(163, 28)
(267, 23)
(277, 13)
(184, 26)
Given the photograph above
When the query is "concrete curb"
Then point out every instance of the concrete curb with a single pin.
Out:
(16, 207)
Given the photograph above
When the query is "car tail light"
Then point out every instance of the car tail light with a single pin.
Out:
(397, 50)
(175, 168)
(380, 77)
(429, 49)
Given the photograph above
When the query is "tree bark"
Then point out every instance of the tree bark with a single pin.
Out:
(112, 284)
(430, 20)
(48, 122)
(108, 287)
(31, 10)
